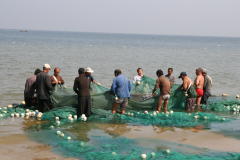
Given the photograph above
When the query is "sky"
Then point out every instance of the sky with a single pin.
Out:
(164, 17)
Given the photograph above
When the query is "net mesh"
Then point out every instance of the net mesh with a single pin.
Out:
(139, 112)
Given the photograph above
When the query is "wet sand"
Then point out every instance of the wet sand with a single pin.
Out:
(15, 145)
(197, 137)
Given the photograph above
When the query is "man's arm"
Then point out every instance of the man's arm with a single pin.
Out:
(129, 86)
(48, 83)
(61, 80)
(156, 86)
(114, 86)
(185, 85)
(75, 86)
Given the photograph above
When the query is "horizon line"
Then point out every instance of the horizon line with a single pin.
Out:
(123, 33)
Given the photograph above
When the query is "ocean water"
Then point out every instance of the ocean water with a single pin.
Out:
(22, 52)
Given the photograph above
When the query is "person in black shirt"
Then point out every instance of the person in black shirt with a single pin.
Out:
(43, 88)
(82, 88)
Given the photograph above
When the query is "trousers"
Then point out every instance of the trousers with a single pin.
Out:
(84, 106)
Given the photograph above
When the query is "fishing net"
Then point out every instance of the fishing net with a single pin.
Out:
(59, 123)
(141, 96)
(97, 145)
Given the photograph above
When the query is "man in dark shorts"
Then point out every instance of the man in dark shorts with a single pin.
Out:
(186, 86)
(121, 88)
(43, 88)
(164, 84)
(29, 90)
(82, 88)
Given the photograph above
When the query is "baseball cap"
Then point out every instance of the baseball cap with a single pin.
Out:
(182, 74)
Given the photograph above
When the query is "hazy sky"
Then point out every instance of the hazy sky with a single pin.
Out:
(173, 17)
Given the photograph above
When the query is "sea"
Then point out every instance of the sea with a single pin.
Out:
(21, 52)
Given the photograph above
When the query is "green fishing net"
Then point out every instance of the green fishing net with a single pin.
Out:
(139, 112)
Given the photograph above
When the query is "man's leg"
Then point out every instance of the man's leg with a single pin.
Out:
(165, 105)
(159, 107)
(88, 106)
(40, 105)
(27, 102)
(198, 102)
(124, 105)
(114, 107)
(80, 108)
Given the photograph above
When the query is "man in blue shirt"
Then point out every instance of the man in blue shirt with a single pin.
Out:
(121, 88)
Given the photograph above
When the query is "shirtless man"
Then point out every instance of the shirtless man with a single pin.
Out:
(56, 78)
(187, 83)
(164, 84)
(199, 83)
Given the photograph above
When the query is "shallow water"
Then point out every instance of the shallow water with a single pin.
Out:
(22, 52)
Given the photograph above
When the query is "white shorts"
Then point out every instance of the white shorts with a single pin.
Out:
(166, 96)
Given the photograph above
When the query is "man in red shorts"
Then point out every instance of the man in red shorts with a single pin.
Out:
(199, 83)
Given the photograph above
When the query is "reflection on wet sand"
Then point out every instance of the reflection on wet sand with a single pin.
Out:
(151, 135)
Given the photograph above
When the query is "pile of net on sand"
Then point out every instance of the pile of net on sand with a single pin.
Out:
(116, 148)
(139, 112)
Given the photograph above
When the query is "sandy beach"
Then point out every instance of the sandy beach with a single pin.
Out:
(14, 144)
(197, 137)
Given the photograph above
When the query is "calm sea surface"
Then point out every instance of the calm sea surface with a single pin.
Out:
(22, 52)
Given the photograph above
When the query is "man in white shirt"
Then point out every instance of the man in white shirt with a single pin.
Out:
(137, 79)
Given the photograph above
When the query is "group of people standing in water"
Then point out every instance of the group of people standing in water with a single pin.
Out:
(39, 86)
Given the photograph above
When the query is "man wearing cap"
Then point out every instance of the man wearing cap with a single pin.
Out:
(164, 85)
(82, 88)
(189, 90)
(43, 88)
(56, 78)
(29, 90)
(121, 88)
(206, 87)
(88, 73)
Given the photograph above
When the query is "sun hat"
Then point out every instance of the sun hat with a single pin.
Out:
(47, 66)
(89, 70)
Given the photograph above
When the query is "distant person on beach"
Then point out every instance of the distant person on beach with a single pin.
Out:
(199, 83)
(170, 76)
(206, 87)
(43, 87)
(121, 88)
(56, 78)
(137, 79)
(164, 84)
(82, 88)
(88, 73)
(189, 90)
(29, 90)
